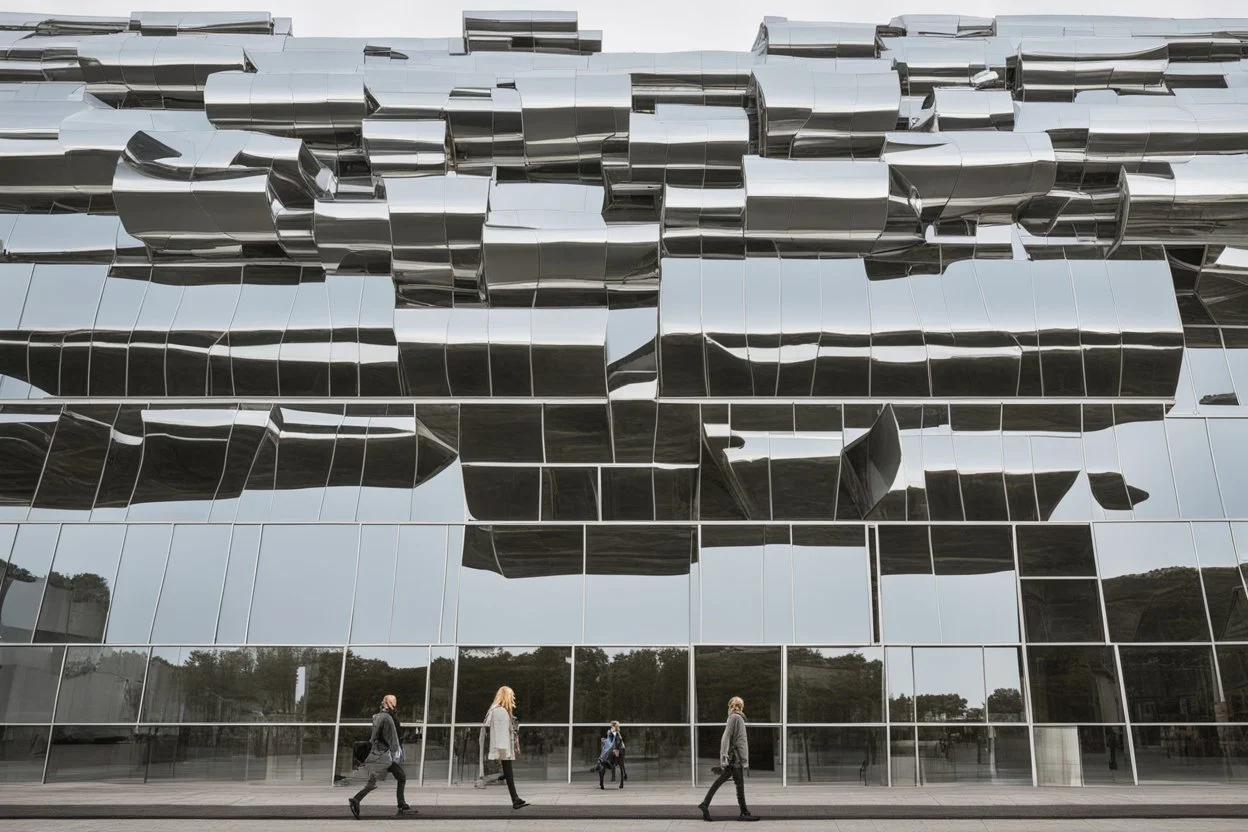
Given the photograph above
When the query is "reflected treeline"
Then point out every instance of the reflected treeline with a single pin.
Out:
(834, 688)
(245, 684)
(370, 677)
(642, 685)
(541, 677)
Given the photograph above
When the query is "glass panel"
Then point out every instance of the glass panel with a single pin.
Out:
(540, 676)
(1074, 684)
(299, 580)
(732, 572)
(853, 756)
(72, 472)
(1224, 586)
(975, 584)
(1233, 664)
(245, 684)
(1062, 611)
(442, 684)
(1151, 583)
(1083, 755)
(375, 672)
(1055, 551)
(500, 432)
(22, 752)
(831, 684)
(418, 579)
(262, 754)
(1191, 753)
(641, 684)
(581, 433)
(901, 756)
(572, 494)
(969, 754)
(1169, 684)
(907, 586)
(28, 680)
(900, 665)
(101, 684)
(191, 594)
(831, 585)
(765, 755)
(374, 585)
(139, 577)
(503, 493)
(651, 755)
(1003, 678)
(1145, 459)
(543, 755)
(183, 459)
(753, 673)
(389, 468)
(1194, 476)
(436, 770)
(631, 562)
(521, 581)
(84, 571)
(24, 580)
(949, 684)
(25, 439)
(1229, 440)
(240, 577)
(83, 753)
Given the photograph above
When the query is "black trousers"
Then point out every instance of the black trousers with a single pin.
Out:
(735, 773)
(510, 776)
(618, 762)
(400, 781)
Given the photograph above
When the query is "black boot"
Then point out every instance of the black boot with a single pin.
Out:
(746, 816)
(706, 811)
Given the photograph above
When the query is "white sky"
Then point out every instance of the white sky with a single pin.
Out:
(627, 25)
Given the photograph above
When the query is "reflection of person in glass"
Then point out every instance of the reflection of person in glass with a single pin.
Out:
(384, 757)
(505, 738)
(734, 760)
(612, 756)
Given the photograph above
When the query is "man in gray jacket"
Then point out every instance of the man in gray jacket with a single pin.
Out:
(734, 759)
(384, 756)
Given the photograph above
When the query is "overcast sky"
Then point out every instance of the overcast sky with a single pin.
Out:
(627, 25)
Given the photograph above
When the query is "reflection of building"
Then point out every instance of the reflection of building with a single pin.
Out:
(886, 376)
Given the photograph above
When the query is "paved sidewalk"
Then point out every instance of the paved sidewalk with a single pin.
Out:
(553, 802)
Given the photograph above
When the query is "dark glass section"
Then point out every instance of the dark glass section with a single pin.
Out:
(970, 754)
(268, 754)
(631, 685)
(245, 684)
(1190, 753)
(107, 753)
(28, 681)
(1074, 684)
(651, 755)
(835, 684)
(540, 676)
(843, 756)
(1062, 611)
(374, 672)
(753, 673)
(1055, 551)
(766, 759)
(23, 749)
(543, 755)
(1169, 684)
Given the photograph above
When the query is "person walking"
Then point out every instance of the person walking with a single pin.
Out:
(385, 757)
(505, 738)
(734, 760)
(612, 755)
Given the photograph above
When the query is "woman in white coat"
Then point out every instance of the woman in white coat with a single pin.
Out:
(505, 738)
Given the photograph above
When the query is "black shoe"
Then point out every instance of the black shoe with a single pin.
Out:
(746, 816)
(621, 784)
(406, 810)
(706, 811)
(604, 788)
(519, 804)
(355, 807)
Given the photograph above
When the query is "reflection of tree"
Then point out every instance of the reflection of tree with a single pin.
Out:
(247, 684)
(1005, 704)
(12, 574)
(753, 673)
(75, 607)
(944, 707)
(1159, 605)
(369, 679)
(841, 688)
(541, 679)
(645, 685)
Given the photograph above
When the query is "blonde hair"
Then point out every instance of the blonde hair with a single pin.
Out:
(389, 701)
(615, 723)
(505, 698)
(736, 705)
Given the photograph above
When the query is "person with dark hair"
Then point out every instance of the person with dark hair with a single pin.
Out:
(384, 757)
(734, 760)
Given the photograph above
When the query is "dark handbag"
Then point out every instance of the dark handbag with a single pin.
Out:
(360, 751)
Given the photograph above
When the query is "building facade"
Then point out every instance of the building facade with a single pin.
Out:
(885, 376)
